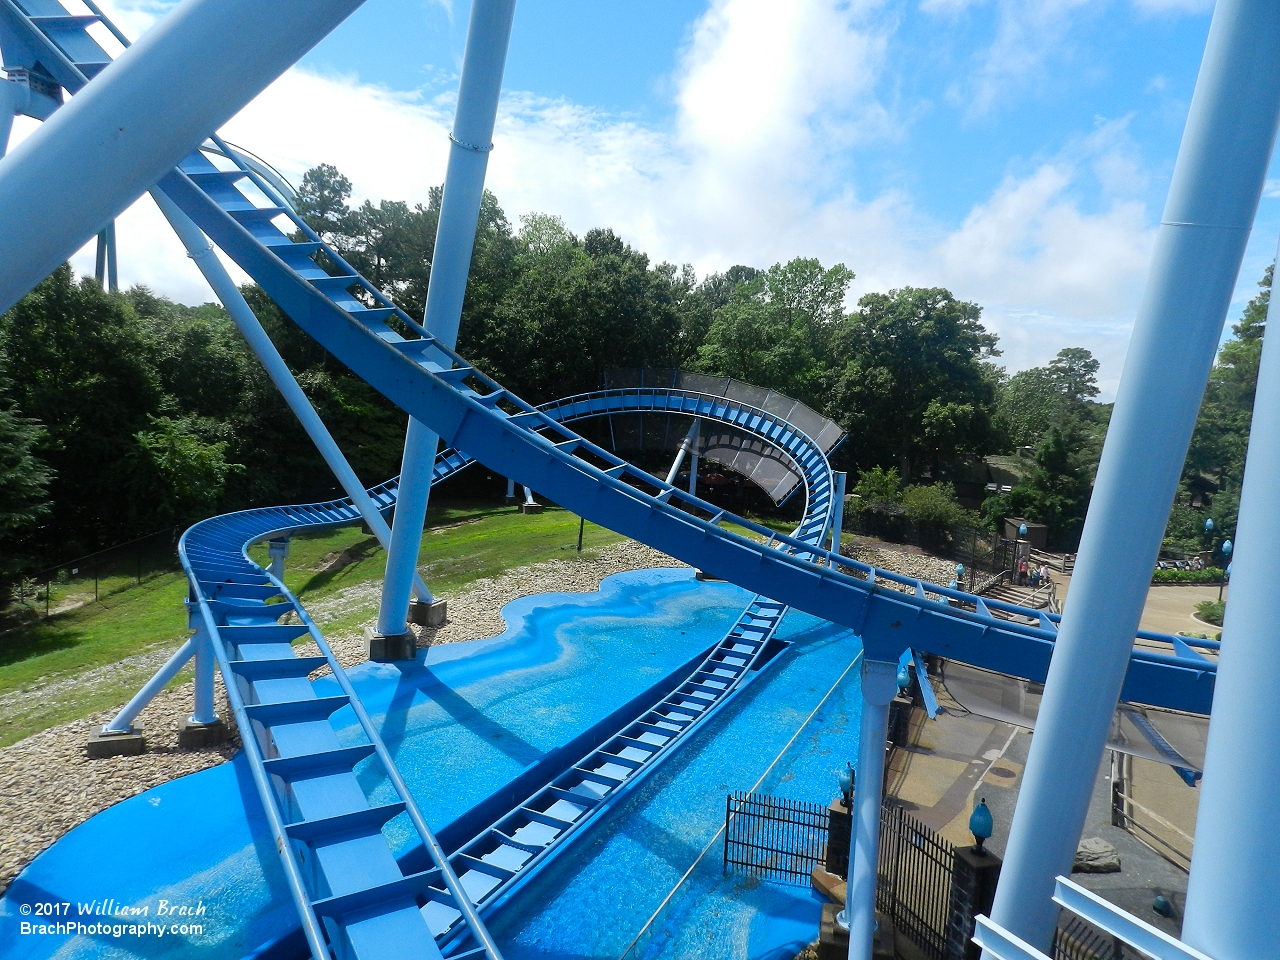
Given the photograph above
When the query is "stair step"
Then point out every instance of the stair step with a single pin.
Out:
(297, 711)
(403, 888)
(278, 669)
(345, 825)
(310, 765)
(69, 22)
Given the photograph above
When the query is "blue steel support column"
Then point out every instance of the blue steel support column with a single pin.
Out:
(879, 686)
(185, 77)
(482, 64)
(837, 520)
(13, 100)
(203, 712)
(1213, 197)
(1237, 847)
(201, 252)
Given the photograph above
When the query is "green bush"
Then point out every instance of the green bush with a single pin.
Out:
(1211, 611)
(934, 511)
(878, 488)
(1207, 575)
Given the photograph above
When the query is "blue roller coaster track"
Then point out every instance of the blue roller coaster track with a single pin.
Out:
(352, 895)
(307, 782)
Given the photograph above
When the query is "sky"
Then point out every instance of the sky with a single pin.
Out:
(1017, 152)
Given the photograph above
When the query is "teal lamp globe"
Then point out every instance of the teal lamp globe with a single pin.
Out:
(1022, 529)
(1208, 525)
(846, 785)
(953, 585)
(1227, 572)
(904, 677)
(1226, 548)
(959, 571)
(980, 824)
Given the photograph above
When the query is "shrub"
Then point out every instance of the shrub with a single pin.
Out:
(878, 488)
(934, 511)
(1211, 611)
(1207, 575)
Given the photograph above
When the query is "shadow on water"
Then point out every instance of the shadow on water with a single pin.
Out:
(466, 715)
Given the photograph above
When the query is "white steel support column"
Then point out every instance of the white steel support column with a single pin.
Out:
(879, 687)
(1237, 848)
(482, 64)
(690, 441)
(693, 458)
(184, 78)
(201, 251)
(1213, 197)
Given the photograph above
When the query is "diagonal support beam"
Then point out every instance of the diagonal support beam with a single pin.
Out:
(136, 120)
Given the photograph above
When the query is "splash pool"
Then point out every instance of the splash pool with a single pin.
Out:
(463, 721)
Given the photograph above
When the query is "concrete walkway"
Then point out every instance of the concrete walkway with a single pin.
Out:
(1169, 609)
(959, 759)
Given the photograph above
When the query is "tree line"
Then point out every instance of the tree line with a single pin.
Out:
(123, 413)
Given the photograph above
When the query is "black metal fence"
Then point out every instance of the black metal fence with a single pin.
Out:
(774, 838)
(914, 878)
(98, 575)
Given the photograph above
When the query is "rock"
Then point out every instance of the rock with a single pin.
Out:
(1096, 856)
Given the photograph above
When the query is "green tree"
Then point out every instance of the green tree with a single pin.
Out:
(175, 474)
(1074, 374)
(322, 202)
(778, 327)
(1057, 492)
(902, 355)
(82, 365)
(934, 510)
(24, 494)
(878, 489)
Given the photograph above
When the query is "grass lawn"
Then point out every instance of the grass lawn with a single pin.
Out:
(77, 662)
(463, 542)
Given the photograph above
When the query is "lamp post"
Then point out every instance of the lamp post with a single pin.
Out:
(980, 825)
(1226, 573)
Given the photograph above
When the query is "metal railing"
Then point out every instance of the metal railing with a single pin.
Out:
(914, 879)
(774, 838)
(93, 577)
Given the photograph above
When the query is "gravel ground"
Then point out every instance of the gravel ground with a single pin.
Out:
(48, 785)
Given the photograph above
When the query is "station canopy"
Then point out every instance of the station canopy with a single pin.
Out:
(769, 467)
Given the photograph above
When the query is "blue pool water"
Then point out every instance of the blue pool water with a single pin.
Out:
(463, 721)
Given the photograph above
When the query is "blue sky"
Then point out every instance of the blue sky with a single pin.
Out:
(1015, 151)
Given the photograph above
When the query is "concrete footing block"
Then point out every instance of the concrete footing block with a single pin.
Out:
(531, 508)
(196, 736)
(833, 940)
(102, 745)
(428, 614)
(390, 649)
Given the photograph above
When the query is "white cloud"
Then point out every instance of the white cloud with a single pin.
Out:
(770, 101)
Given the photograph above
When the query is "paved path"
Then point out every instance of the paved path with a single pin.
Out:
(1169, 609)
(959, 759)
